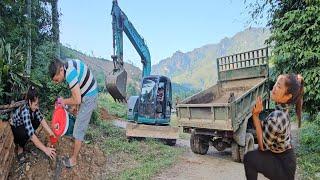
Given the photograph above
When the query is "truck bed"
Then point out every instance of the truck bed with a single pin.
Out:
(220, 93)
(212, 108)
(242, 78)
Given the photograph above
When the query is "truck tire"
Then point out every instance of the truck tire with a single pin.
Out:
(199, 143)
(235, 152)
(249, 146)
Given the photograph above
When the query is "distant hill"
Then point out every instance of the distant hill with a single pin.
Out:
(198, 67)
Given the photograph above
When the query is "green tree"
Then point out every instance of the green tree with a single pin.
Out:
(11, 69)
(295, 38)
(55, 26)
(14, 26)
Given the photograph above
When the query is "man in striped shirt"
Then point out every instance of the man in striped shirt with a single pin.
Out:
(84, 92)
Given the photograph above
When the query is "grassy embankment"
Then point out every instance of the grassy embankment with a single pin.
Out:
(309, 150)
(138, 159)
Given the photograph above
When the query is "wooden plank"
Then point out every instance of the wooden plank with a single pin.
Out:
(7, 165)
(6, 145)
(13, 105)
(6, 150)
(5, 136)
(3, 127)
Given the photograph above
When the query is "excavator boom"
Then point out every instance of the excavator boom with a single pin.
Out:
(117, 79)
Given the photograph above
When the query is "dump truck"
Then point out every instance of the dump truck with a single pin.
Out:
(221, 115)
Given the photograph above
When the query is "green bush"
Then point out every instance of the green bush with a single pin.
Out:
(12, 62)
(309, 149)
(296, 39)
(310, 136)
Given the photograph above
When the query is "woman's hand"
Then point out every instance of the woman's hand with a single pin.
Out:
(258, 107)
(51, 152)
(47, 128)
(256, 121)
(51, 134)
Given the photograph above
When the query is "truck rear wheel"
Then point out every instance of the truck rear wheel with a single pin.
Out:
(199, 143)
(235, 152)
(249, 146)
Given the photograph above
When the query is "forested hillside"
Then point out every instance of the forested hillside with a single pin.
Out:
(198, 67)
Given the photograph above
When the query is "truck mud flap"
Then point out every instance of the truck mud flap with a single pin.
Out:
(116, 85)
(152, 131)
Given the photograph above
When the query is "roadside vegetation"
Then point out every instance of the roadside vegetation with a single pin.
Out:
(309, 150)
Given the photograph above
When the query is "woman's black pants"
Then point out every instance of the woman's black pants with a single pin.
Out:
(20, 133)
(272, 165)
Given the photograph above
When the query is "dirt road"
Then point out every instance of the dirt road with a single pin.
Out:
(214, 165)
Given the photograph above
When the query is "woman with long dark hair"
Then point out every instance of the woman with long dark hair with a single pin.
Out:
(275, 157)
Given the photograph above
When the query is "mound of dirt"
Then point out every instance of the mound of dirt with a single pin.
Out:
(91, 163)
(104, 114)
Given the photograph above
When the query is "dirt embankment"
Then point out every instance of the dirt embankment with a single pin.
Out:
(91, 161)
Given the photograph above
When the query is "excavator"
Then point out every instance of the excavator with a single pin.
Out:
(149, 112)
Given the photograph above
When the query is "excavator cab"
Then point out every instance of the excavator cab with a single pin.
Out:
(155, 100)
(149, 113)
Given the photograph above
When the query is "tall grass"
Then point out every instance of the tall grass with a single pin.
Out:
(309, 150)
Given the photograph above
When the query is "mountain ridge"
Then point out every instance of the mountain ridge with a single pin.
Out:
(197, 67)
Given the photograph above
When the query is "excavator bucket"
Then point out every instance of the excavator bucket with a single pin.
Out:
(152, 131)
(116, 85)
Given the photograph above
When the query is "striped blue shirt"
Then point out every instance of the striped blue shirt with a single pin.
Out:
(76, 72)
